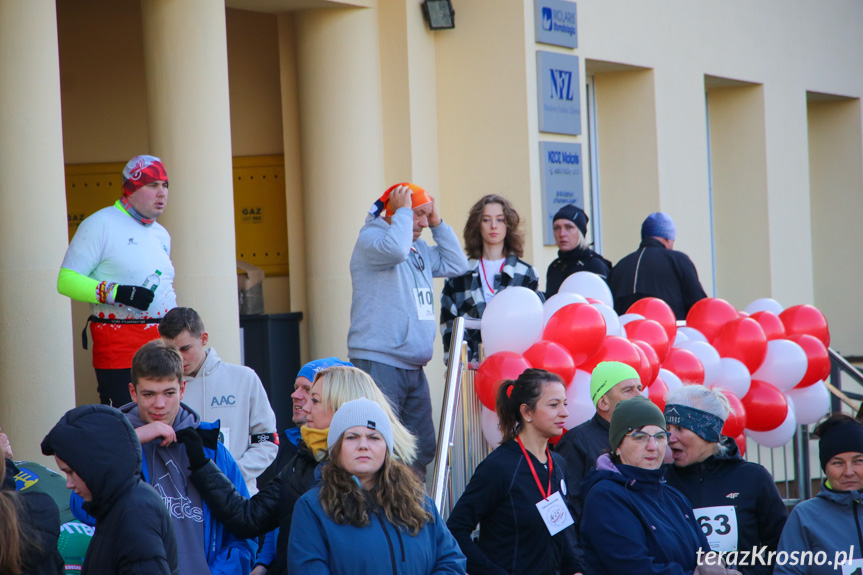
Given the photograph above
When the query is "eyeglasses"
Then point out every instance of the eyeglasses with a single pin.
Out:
(642, 438)
(417, 259)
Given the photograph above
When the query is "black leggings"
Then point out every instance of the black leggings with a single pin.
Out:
(114, 386)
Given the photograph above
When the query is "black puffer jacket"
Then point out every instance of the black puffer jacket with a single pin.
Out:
(271, 507)
(728, 481)
(568, 263)
(134, 532)
(42, 520)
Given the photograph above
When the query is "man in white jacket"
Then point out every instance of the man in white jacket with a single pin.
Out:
(232, 394)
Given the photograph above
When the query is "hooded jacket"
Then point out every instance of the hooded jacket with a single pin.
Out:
(655, 271)
(502, 497)
(635, 523)
(234, 395)
(134, 533)
(731, 485)
(573, 261)
(831, 521)
(320, 546)
(272, 507)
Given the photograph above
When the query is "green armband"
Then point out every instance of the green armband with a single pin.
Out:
(82, 288)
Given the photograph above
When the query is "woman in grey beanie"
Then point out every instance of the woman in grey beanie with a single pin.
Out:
(369, 514)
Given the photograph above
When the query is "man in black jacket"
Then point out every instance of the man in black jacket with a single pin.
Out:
(656, 270)
(97, 449)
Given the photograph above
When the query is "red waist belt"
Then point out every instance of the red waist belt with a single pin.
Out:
(115, 341)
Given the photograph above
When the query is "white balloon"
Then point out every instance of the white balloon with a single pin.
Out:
(489, 423)
(512, 321)
(778, 436)
(784, 365)
(612, 323)
(709, 358)
(556, 302)
(578, 402)
(811, 403)
(692, 333)
(679, 337)
(588, 284)
(671, 380)
(733, 376)
(628, 317)
(764, 304)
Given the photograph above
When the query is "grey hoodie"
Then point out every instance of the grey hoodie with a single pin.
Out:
(385, 326)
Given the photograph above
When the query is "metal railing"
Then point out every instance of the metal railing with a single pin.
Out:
(461, 445)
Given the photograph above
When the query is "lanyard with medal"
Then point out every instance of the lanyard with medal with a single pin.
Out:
(551, 508)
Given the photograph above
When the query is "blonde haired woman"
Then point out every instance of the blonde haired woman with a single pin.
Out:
(273, 506)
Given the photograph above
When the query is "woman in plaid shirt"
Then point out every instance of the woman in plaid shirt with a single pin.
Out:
(494, 245)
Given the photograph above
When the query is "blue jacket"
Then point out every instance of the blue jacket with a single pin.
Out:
(319, 545)
(830, 522)
(226, 555)
(634, 523)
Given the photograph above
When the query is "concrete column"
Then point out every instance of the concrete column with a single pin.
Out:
(186, 63)
(36, 374)
(339, 83)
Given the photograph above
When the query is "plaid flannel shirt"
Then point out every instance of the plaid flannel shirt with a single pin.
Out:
(462, 296)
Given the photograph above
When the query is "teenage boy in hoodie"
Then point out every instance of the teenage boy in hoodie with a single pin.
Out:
(393, 322)
(157, 416)
(99, 452)
(229, 394)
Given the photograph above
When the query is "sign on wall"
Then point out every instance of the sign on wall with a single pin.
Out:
(559, 93)
(561, 181)
(556, 23)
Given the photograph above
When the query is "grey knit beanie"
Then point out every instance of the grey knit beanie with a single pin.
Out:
(360, 412)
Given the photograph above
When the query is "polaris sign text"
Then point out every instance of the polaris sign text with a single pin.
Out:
(556, 23)
(559, 93)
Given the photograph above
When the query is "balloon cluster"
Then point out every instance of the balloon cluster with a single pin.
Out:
(770, 363)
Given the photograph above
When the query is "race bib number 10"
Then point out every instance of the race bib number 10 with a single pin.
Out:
(425, 305)
(719, 525)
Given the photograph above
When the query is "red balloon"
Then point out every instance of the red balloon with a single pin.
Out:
(614, 348)
(551, 357)
(557, 438)
(644, 367)
(818, 360)
(806, 319)
(771, 324)
(650, 332)
(744, 340)
(766, 406)
(594, 300)
(659, 311)
(736, 418)
(579, 328)
(685, 365)
(709, 315)
(657, 392)
(741, 443)
(496, 368)
(652, 361)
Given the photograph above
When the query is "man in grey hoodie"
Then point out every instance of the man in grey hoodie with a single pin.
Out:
(393, 322)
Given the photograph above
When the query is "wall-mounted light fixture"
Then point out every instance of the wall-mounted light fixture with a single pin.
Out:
(439, 14)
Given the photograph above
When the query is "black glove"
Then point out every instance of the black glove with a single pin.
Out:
(194, 447)
(134, 296)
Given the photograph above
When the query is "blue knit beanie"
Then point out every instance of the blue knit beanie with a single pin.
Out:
(659, 225)
(313, 367)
